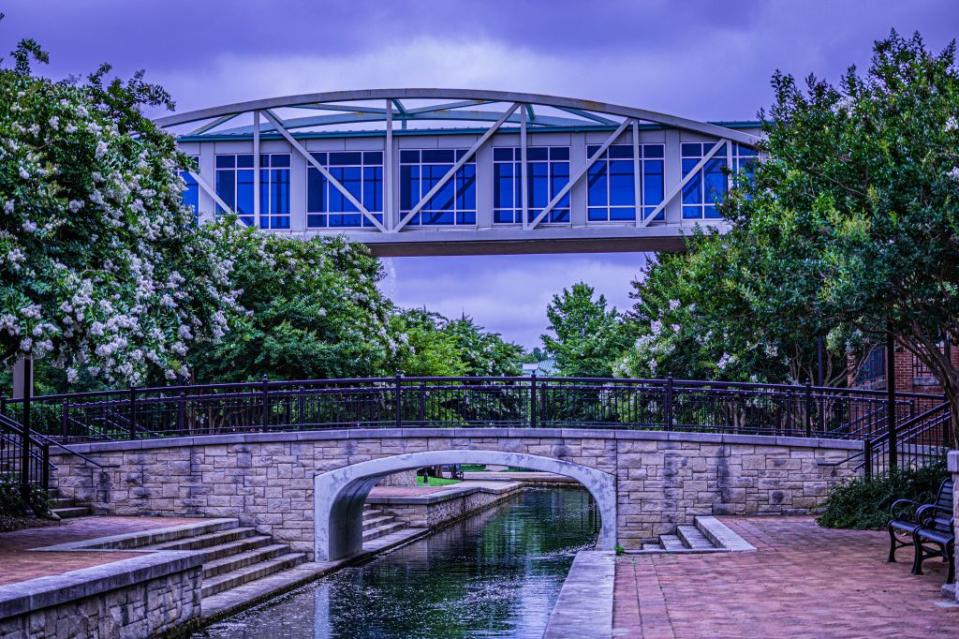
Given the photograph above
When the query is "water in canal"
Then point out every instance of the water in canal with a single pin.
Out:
(496, 574)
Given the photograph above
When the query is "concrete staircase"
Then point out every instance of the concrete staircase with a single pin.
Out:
(379, 523)
(706, 534)
(234, 556)
(67, 507)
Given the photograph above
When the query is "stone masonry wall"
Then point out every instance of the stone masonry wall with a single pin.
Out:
(429, 514)
(266, 479)
(145, 609)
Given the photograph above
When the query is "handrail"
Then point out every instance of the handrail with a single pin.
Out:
(12, 425)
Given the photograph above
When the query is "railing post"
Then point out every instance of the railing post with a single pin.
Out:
(132, 428)
(669, 403)
(891, 399)
(867, 453)
(532, 400)
(300, 407)
(809, 405)
(422, 404)
(45, 466)
(266, 401)
(398, 406)
(27, 370)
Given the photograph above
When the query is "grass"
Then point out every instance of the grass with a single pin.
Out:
(436, 481)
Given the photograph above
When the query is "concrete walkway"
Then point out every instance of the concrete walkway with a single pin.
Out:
(803, 582)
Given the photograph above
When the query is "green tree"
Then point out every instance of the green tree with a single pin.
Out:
(431, 345)
(863, 179)
(588, 338)
(101, 272)
(307, 309)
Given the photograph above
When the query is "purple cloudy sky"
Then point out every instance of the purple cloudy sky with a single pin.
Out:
(702, 59)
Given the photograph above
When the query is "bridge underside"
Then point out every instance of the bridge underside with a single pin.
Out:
(518, 242)
(340, 494)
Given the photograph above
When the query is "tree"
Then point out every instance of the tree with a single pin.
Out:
(306, 309)
(430, 344)
(864, 180)
(100, 269)
(587, 337)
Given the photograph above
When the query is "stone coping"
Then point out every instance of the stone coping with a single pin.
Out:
(453, 492)
(36, 594)
(584, 608)
(410, 433)
(133, 540)
(953, 461)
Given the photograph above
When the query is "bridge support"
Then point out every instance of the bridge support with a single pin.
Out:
(339, 495)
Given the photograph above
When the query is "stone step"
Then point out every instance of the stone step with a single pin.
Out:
(377, 520)
(61, 502)
(693, 538)
(72, 511)
(653, 547)
(251, 573)
(380, 531)
(207, 540)
(671, 543)
(236, 561)
(245, 544)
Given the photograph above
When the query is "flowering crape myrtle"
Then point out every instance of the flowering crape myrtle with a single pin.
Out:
(101, 268)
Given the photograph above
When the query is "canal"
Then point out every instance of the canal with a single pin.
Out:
(496, 574)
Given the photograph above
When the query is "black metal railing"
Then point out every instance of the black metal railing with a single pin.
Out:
(30, 470)
(921, 441)
(534, 402)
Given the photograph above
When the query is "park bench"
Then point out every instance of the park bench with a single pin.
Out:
(929, 530)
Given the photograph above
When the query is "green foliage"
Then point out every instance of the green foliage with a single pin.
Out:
(849, 228)
(12, 503)
(101, 272)
(587, 336)
(864, 503)
(306, 309)
(429, 344)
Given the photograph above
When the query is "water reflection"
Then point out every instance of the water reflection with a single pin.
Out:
(494, 575)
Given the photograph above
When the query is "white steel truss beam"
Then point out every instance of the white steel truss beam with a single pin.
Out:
(679, 187)
(205, 187)
(579, 174)
(447, 106)
(456, 167)
(278, 125)
(212, 125)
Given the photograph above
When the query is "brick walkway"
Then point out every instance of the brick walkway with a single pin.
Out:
(19, 564)
(803, 582)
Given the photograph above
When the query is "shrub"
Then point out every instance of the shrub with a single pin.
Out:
(864, 503)
(12, 503)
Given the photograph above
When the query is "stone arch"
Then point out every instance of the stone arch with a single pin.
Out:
(339, 494)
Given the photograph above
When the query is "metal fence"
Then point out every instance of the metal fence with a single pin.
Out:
(921, 441)
(532, 402)
(28, 469)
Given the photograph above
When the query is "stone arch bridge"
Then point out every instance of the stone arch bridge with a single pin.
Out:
(307, 488)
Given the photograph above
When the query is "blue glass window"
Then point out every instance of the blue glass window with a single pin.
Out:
(234, 185)
(744, 161)
(611, 182)
(706, 190)
(191, 194)
(361, 174)
(547, 172)
(455, 202)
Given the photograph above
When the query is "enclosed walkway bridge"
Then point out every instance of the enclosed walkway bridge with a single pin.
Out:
(454, 171)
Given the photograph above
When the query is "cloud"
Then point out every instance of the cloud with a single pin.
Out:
(507, 294)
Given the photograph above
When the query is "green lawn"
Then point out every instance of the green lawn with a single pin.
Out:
(436, 481)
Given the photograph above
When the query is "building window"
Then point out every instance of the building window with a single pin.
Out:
(706, 190)
(454, 204)
(361, 174)
(191, 193)
(234, 185)
(612, 184)
(744, 161)
(922, 375)
(547, 172)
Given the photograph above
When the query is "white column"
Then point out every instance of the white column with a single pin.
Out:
(256, 169)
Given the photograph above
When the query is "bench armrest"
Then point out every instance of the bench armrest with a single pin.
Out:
(899, 503)
(926, 512)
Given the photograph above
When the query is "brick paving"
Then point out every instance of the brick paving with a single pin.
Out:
(17, 563)
(802, 582)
